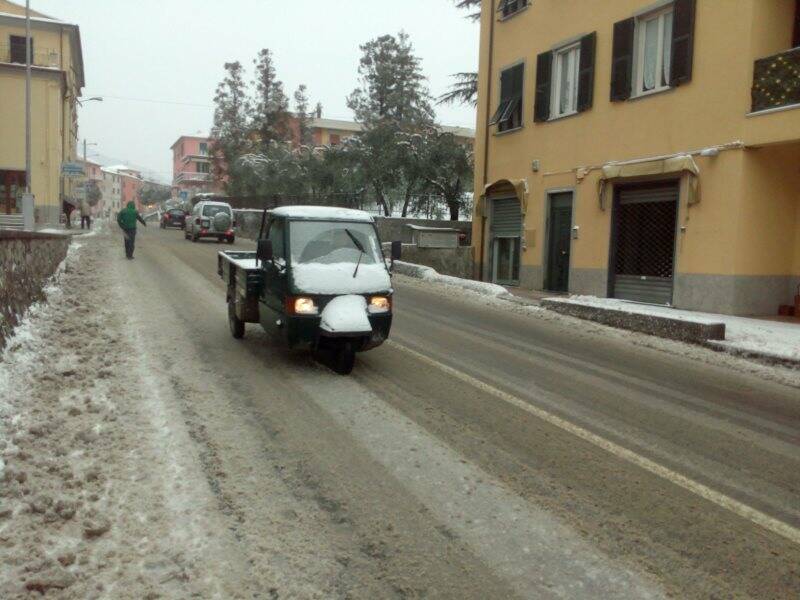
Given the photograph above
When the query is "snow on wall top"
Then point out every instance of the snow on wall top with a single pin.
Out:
(323, 212)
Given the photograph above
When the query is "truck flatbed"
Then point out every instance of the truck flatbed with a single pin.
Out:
(244, 278)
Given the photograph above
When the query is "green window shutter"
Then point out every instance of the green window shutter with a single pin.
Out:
(622, 60)
(586, 74)
(682, 42)
(544, 75)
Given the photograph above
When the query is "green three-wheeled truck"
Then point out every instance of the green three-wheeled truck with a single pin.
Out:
(318, 279)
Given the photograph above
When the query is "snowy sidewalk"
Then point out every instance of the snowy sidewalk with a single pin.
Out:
(772, 340)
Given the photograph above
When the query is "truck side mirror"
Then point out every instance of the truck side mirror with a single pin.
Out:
(397, 250)
(264, 250)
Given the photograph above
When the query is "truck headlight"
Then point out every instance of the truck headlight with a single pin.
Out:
(305, 306)
(379, 304)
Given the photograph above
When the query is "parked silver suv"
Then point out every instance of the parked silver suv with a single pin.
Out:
(210, 219)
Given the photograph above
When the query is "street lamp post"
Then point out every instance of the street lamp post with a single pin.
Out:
(28, 59)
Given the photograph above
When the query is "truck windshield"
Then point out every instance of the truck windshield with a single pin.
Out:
(325, 242)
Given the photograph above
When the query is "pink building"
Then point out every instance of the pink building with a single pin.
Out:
(191, 167)
(130, 184)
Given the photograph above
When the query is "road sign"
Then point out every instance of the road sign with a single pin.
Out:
(72, 169)
(184, 195)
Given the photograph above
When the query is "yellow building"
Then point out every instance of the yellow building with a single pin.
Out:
(642, 150)
(57, 79)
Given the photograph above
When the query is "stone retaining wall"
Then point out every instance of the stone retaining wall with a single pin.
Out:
(457, 262)
(248, 222)
(27, 260)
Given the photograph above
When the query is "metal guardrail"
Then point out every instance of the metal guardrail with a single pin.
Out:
(189, 176)
(13, 221)
(776, 81)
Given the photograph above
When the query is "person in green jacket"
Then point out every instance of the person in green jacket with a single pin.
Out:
(126, 219)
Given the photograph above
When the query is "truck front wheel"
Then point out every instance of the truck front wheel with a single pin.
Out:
(236, 325)
(344, 359)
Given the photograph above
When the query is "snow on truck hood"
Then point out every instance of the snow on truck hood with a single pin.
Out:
(337, 278)
(323, 212)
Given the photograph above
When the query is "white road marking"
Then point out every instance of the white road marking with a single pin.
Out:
(739, 508)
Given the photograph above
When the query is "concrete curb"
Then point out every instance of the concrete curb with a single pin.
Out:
(763, 357)
(675, 329)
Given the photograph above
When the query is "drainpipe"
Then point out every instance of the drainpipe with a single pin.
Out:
(486, 134)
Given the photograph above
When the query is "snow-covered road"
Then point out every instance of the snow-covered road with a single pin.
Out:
(148, 454)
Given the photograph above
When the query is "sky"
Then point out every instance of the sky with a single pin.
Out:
(157, 63)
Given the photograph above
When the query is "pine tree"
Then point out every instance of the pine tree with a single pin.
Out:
(231, 127)
(392, 101)
(270, 111)
(392, 86)
(305, 137)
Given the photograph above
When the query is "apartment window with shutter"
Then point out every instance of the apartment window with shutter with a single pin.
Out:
(202, 168)
(17, 48)
(508, 8)
(203, 148)
(654, 51)
(508, 115)
(565, 80)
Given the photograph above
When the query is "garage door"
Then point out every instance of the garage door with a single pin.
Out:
(506, 218)
(643, 246)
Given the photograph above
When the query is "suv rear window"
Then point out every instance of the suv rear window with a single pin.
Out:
(176, 212)
(211, 210)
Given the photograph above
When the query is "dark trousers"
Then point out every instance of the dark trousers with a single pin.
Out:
(130, 242)
(87, 220)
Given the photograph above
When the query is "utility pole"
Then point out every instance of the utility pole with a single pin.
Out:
(28, 209)
(28, 59)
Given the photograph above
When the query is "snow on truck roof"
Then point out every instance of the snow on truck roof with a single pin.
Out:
(322, 212)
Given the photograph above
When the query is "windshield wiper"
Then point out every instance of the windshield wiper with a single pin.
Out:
(360, 248)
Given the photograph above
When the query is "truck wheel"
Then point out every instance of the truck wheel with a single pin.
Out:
(345, 359)
(237, 326)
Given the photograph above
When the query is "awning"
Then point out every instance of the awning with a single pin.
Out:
(664, 166)
(504, 187)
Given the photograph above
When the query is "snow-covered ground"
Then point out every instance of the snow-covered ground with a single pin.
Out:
(96, 500)
(778, 339)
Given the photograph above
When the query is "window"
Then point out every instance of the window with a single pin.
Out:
(509, 112)
(653, 52)
(211, 210)
(565, 79)
(203, 148)
(276, 234)
(566, 64)
(17, 46)
(202, 167)
(333, 243)
(508, 8)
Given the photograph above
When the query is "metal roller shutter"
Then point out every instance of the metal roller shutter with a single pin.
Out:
(506, 218)
(644, 243)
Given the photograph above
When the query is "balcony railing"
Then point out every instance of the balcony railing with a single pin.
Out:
(186, 176)
(41, 57)
(776, 81)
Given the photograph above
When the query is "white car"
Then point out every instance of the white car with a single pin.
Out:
(210, 219)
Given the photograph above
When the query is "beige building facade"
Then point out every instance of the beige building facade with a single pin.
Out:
(57, 81)
(647, 151)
